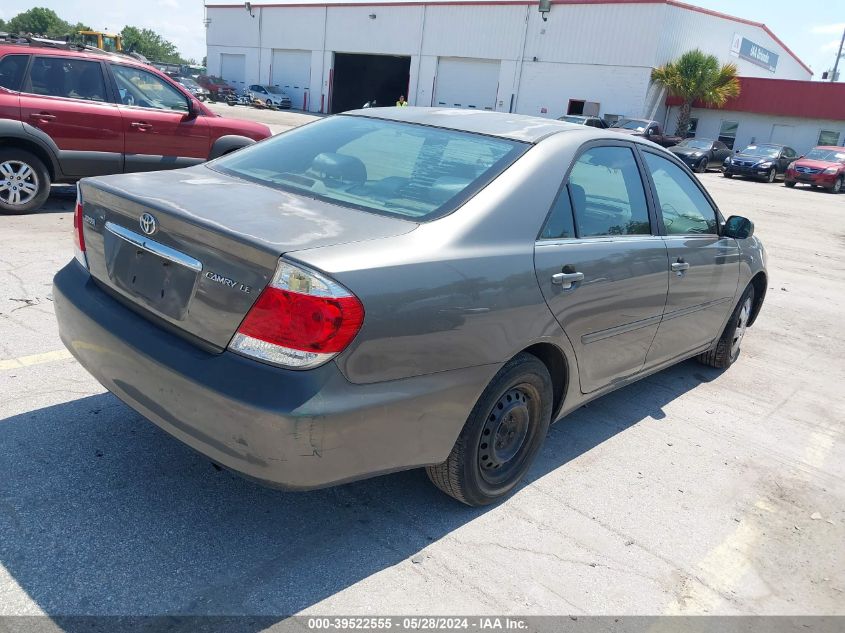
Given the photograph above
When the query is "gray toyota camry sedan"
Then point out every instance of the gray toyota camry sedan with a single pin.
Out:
(401, 287)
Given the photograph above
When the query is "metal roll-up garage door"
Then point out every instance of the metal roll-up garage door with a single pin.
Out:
(233, 69)
(466, 83)
(291, 71)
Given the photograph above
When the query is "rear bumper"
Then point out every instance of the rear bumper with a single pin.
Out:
(287, 429)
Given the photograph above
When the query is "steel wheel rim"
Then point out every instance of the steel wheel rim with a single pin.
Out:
(505, 435)
(741, 327)
(19, 182)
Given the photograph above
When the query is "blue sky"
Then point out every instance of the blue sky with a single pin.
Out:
(812, 34)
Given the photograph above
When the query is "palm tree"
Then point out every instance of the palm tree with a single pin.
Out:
(696, 76)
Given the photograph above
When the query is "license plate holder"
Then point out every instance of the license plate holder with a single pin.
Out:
(162, 278)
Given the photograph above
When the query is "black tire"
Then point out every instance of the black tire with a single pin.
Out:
(40, 178)
(232, 102)
(724, 354)
(727, 175)
(770, 177)
(701, 167)
(837, 186)
(515, 411)
(789, 183)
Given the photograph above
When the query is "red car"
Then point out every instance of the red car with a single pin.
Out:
(823, 166)
(218, 89)
(67, 113)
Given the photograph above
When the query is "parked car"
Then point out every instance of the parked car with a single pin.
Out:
(701, 153)
(409, 288)
(762, 161)
(823, 166)
(67, 113)
(193, 87)
(577, 119)
(647, 129)
(218, 89)
(271, 96)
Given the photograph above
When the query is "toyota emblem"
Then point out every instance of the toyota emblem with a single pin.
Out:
(148, 223)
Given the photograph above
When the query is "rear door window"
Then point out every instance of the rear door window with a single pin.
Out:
(12, 69)
(67, 77)
(607, 193)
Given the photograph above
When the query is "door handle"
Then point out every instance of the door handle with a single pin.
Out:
(679, 267)
(42, 116)
(140, 125)
(565, 280)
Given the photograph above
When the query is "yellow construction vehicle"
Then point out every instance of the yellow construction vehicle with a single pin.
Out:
(111, 42)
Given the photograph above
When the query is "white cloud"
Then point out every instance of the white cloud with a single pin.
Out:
(831, 46)
(829, 28)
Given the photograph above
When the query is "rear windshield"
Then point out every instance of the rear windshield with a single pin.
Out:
(399, 169)
(830, 155)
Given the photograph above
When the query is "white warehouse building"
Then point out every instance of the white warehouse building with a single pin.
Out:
(589, 56)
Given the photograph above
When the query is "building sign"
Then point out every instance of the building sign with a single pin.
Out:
(754, 53)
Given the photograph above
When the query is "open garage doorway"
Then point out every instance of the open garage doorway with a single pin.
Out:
(358, 79)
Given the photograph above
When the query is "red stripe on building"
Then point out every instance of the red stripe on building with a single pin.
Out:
(784, 97)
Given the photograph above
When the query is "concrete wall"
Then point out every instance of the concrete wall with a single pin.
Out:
(801, 134)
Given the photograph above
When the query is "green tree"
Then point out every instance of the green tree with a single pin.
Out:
(150, 44)
(2, 24)
(42, 21)
(696, 76)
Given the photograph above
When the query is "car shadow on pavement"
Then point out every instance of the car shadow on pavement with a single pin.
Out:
(103, 513)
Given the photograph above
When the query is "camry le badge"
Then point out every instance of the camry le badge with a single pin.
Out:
(148, 223)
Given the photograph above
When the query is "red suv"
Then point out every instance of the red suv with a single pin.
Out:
(823, 166)
(67, 113)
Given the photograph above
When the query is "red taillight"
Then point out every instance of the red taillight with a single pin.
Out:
(78, 235)
(301, 319)
(309, 324)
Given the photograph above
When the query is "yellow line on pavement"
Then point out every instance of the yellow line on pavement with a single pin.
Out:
(34, 359)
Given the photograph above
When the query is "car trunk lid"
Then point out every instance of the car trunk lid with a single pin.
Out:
(193, 248)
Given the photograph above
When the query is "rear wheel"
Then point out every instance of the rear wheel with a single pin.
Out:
(770, 177)
(24, 182)
(502, 435)
(727, 348)
(837, 186)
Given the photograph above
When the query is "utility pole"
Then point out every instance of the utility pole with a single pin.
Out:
(838, 57)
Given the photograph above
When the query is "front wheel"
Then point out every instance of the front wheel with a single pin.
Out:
(837, 186)
(502, 435)
(770, 177)
(24, 182)
(701, 167)
(727, 348)
(789, 183)
(727, 175)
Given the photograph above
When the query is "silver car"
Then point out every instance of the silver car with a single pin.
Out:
(401, 287)
(270, 96)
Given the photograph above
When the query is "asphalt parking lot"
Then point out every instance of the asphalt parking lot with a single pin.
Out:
(693, 491)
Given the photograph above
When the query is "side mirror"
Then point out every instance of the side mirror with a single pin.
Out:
(192, 110)
(738, 227)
